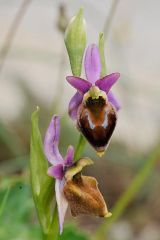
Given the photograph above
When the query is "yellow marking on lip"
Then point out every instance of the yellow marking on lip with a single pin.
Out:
(77, 167)
(94, 92)
(109, 214)
(100, 154)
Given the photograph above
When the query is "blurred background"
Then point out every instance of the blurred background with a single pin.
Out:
(33, 66)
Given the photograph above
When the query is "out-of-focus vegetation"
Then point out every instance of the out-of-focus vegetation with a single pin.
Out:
(18, 217)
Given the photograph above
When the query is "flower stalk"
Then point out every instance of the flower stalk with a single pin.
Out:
(80, 147)
(54, 229)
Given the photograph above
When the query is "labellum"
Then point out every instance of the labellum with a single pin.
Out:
(96, 119)
(82, 192)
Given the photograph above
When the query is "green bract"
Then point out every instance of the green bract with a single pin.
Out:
(102, 55)
(75, 41)
(42, 184)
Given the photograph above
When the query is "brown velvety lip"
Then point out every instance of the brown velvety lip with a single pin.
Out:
(96, 121)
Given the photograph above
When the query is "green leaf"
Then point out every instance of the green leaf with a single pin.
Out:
(75, 41)
(102, 55)
(42, 184)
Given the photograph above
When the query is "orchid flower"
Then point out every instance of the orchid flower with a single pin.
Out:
(94, 106)
(80, 192)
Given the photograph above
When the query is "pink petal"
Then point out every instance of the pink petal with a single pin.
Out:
(79, 84)
(74, 104)
(107, 82)
(56, 171)
(62, 203)
(113, 100)
(92, 63)
(51, 141)
(69, 156)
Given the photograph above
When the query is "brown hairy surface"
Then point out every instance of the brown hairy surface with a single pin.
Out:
(84, 197)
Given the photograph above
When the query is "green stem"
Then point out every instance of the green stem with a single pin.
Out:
(80, 147)
(48, 236)
(129, 194)
(53, 232)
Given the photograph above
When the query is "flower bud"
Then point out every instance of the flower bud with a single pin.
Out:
(75, 41)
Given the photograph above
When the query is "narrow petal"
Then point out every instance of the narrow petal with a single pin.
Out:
(56, 171)
(92, 63)
(74, 104)
(107, 82)
(113, 100)
(79, 84)
(61, 202)
(51, 141)
(69, 156)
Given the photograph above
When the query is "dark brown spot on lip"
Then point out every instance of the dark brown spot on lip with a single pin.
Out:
(95, 104)
(97, 121)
